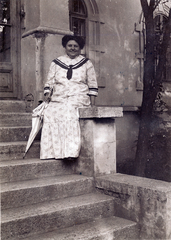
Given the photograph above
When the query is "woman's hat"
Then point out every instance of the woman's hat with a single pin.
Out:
(78, 39)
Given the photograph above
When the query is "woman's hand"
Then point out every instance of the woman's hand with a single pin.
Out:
(48, 97)
(92, 100)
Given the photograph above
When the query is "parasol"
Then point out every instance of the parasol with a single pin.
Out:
(37, 122)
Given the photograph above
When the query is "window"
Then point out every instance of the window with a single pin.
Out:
(160, 22)
(5, 31)
(78, 15)
(84, 21)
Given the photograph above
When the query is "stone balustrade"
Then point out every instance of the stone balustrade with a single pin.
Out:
(145, 201)
(98, 131)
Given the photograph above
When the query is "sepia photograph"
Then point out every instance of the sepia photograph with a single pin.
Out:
(85, 119)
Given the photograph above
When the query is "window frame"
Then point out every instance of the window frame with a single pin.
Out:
(80, 17)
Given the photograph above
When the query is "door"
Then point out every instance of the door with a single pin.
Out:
(9, 49)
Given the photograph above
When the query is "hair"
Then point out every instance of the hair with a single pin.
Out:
(78, 39)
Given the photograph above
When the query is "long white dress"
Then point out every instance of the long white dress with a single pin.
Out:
(61, 131)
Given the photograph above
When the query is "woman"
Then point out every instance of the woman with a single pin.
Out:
(74, 84)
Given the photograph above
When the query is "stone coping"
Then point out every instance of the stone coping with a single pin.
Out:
(46, 30)
(147, 183)
(125, 108)
(131, 109)
(100, 112)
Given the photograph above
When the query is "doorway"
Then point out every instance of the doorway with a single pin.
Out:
(10, 38)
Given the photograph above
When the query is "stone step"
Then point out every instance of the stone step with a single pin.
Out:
(111, 228)
(13, 134)
(53, 215)
(17, 194)
(27, 169)
(15, 119)
(15, 150)
(12, 106)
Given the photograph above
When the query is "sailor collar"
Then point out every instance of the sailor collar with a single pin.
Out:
(70, 67)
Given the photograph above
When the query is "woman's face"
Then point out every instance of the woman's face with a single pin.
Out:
(72, 49)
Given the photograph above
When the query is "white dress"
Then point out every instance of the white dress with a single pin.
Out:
(61, 131)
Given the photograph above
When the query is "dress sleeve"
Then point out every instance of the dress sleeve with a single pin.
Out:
(50, 78)
(91, 79)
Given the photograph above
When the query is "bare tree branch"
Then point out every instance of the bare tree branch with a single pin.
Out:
(157, 3)
(145, 7)
(152, 4)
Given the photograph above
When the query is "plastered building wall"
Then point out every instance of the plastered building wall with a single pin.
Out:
(118, 39)
(120, 42)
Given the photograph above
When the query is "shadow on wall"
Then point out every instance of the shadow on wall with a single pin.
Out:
(158, 165)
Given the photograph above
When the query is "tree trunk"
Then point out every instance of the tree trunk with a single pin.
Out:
(147, 102)
(152, 81)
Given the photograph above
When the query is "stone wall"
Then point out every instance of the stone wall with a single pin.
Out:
(143, 200)
(126, 139)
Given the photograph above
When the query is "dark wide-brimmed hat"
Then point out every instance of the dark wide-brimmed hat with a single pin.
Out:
(78, 39)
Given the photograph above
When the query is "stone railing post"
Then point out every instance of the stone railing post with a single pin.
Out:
(98, 131)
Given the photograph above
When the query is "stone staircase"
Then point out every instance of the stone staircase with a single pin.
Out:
(46, 199)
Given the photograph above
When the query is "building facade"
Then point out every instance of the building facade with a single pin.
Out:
(30, 38)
